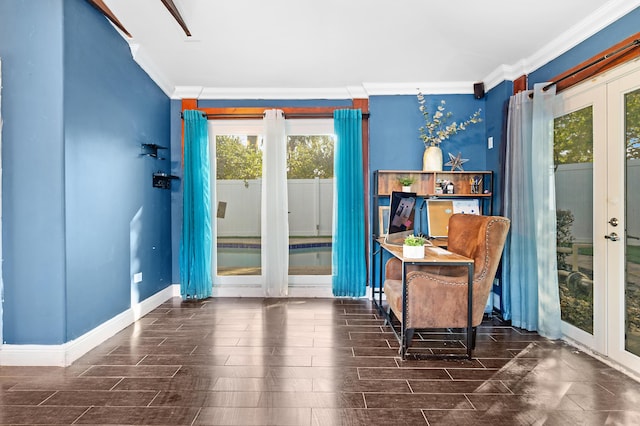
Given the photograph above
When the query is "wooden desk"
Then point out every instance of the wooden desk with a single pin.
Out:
(436, 256)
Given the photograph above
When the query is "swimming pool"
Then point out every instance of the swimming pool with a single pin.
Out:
(304, 259)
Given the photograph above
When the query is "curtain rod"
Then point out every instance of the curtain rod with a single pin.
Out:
(633, 44)
(259, 116)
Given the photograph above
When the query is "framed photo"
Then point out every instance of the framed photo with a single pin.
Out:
(383, 220)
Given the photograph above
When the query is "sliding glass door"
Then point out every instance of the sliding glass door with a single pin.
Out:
(238, 191)
(310, 189)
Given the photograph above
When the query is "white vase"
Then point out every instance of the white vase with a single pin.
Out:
(406, 188)
(412, 252)
(432, 159)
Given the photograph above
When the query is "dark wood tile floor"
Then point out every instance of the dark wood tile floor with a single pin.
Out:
(314, 362)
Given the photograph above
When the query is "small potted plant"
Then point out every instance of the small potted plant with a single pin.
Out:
(406, 182)
(413, 247)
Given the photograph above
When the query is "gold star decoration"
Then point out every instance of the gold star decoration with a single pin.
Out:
(456, 162)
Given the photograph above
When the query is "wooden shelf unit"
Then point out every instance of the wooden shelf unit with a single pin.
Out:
(386, 181)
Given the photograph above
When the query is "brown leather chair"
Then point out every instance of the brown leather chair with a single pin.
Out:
(437, 296)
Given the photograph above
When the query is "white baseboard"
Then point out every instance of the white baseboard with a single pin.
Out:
(65, 354)
(255, 290)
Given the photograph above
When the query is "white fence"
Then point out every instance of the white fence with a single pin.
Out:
(574, 192)
(311, 203)
(310, 207)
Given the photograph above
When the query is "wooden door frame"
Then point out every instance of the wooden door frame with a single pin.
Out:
(226, 113)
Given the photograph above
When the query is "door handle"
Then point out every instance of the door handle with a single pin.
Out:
(612, 236)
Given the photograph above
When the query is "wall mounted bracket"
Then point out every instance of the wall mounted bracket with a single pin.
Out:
(151, 150)
(163, 180)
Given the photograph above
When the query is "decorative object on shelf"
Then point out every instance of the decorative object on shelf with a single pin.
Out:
(406, 182)
(151, 150)
(432, 159)
(444, 186)
(436, 130)
(163, 180)
(413, 247)
(476, 184)
(456, 162)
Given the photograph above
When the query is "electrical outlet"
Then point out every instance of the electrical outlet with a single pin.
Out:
(137, 277)
(490, 142)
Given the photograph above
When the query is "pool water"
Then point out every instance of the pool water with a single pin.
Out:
(303, 260)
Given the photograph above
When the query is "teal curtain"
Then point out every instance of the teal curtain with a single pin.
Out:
(348, 253)
(195, 245)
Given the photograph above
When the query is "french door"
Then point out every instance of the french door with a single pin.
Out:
(236, 146)
(597, 159)
(623, 222)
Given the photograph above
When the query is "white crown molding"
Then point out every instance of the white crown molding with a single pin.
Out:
(505, 72)
(601, 18)
(143, 60)
(65, 354)
(357, 92)
(455, 87)
(274, 93)
(187, 92)
(349, 92)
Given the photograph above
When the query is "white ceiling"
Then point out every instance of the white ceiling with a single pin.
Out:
(352, 48)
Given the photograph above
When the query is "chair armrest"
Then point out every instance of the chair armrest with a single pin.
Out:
(393, 269)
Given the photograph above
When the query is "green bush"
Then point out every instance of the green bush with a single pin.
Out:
(564, 238)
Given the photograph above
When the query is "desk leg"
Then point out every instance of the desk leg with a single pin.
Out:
(380, 277)
(469, 309)
(403, 328)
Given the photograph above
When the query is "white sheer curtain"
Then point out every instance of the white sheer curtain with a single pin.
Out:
(275, 221)
(544, 201)
(530, 282)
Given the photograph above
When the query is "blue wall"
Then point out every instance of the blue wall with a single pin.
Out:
(394, 139)
(117, 223)
(31, 47)
(497, 102)
(80, 214)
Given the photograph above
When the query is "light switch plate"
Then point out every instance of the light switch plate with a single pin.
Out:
(137, 277)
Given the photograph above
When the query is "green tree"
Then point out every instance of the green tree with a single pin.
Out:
(564, 237)
(632, 119)
(235, 160)
(573, 133)
(573, 137)
(310, 157)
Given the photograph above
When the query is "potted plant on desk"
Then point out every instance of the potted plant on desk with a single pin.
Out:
(413, 247)
(406, 182)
